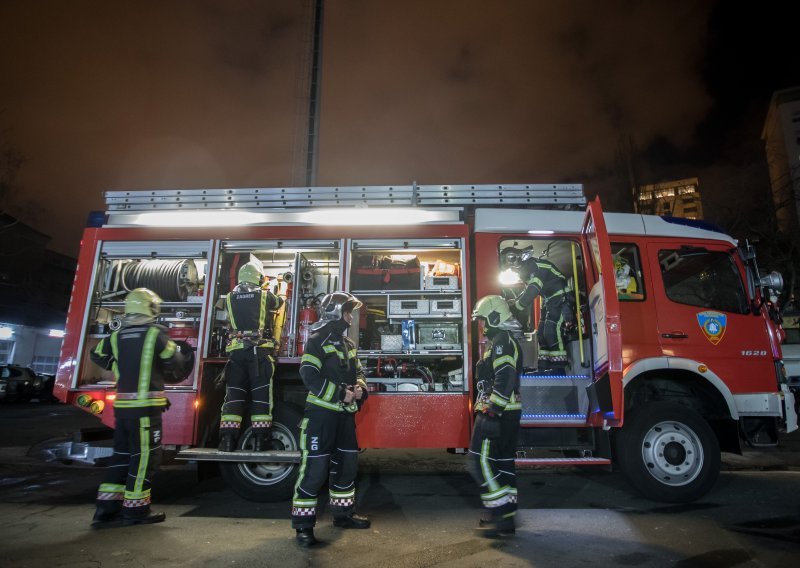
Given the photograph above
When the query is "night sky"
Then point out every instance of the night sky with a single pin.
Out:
(105, 95)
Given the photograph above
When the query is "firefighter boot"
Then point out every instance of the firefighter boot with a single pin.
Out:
(106, 519)
(351, 521)
(227, 443)
(261, 442)
(305, 537)
(497, 527)
(148, 519)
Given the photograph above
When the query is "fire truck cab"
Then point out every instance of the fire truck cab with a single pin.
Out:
(673, 355)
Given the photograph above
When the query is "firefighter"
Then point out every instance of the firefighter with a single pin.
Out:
(498, 409)
(141, 355)
(337, 389)
(542, 278)
(250, 365)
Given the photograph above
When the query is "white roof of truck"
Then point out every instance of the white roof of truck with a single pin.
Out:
(527, 220)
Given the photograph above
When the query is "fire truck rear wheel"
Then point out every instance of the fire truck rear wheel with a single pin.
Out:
(668, 452)
(268, 482)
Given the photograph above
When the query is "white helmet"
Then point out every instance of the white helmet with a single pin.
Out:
(494, 309)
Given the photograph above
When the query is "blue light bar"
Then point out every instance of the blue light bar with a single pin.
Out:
(569, 416)
(535, 377)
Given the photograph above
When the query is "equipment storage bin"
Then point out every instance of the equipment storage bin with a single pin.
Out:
(385, 273)
(385, 279)
(440, 282)
(438, 336)
(391, 342)
(367, 279)
(450, 306)
(411, 307)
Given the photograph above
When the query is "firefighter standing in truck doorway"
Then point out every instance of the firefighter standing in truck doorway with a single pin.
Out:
(250, 366)
(143, 358)
(542, 278)
(337, 389)
(493, 445)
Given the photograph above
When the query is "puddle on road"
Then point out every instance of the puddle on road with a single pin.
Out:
(8, 481)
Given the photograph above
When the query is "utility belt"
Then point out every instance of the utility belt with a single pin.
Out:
(145, 400)
(562, 294)
(254, 334)
(239, 339)
(483, 400)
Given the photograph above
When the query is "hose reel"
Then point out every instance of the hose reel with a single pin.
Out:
(172, 280)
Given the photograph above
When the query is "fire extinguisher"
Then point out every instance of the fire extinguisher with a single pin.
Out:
(305, 317)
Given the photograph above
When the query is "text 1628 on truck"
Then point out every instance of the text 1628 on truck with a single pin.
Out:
(672, 356)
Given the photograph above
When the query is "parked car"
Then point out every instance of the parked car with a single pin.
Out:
(791, 349)
(19, 383)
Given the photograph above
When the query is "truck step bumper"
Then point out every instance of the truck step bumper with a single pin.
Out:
(560, 462)
(213, 454)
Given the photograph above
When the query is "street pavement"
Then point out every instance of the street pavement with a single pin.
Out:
(423, 507)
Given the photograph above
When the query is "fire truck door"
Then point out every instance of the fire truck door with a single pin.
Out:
(605, 327)
(703, 314)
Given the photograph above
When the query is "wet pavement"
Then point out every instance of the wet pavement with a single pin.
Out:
(423, 506)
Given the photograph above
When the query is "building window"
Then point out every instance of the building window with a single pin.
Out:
(6, 350)
(44, 364)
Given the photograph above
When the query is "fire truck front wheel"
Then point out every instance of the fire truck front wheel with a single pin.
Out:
(268, 482)
(668, 452)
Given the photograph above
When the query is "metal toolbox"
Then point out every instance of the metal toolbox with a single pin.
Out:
(391, 342)
(444, 307)
(437, 336)
(411, 307)
(440, 282)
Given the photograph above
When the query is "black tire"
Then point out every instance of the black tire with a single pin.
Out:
(263, 482)
(668, 452)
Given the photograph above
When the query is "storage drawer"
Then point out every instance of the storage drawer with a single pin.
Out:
(440, 283)
(443, 307)
(391, 342)
(438, 336)
(405, 308)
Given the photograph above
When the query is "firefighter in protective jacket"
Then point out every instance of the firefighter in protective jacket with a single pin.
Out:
(143, 358)
(337, 389)
(250, 366)
(543, 278)
(494, 438)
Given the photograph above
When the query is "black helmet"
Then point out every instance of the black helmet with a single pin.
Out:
(333, 306)
(510, 257)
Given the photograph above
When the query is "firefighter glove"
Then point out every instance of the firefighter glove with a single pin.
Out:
(364, 394)
(346, 393)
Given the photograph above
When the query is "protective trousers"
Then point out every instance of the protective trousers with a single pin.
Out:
(137, 455)
(248, 374)
(556, 312)
(329, 451)
(491, 464)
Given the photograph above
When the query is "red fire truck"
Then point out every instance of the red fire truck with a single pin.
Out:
(675, 356)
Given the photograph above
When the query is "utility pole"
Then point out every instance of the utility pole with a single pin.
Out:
(305, 156)
(314, 98)
(626, 157)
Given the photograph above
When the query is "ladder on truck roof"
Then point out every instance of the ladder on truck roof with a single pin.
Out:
(532, 195)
